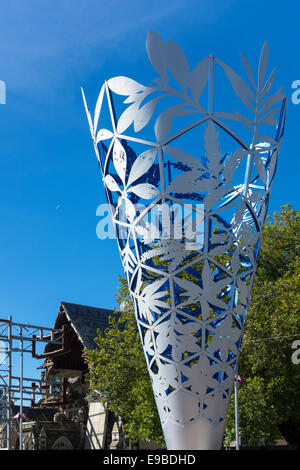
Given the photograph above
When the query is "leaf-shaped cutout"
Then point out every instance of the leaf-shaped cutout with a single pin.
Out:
(187, 183)
(125, 85)
(225, 338)
(232, 163)
(111, 183)
(215, 196)
(104, 134)
(244, 292)
(156, 52)
(127, 117)
(268, 118)
(185, 111)
(238, 217)
(191, 290)
(236, 117)
(141, 165)
(177, 63)
(120, 160)
(98, 107)
(163, 339)
(262, 67)
(207, 276)
(272, 166)
(183, 157)
(128, 258)
(144, 114)
(145, 190)
(88, 114)
(261, 170)
(271, 100)
(248, 71)
(263, 212)
(153, 289)
(163, 123)
(218, 250)
(129, 210)
(131, 98)
(249, 123)
(268, 84)
(240, 87)
(182, 343)
(187, 327)
(211, 144)
(149, 343)
(198, 78)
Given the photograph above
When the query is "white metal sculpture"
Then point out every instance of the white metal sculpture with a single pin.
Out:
(188, 185)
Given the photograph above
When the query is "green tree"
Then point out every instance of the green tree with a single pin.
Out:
(269, 400)
(117, 366)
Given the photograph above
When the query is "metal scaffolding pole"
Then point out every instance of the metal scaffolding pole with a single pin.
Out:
(21, 392)
(14, 387)
(9, 397)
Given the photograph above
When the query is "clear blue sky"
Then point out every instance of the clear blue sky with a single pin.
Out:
(50, 182)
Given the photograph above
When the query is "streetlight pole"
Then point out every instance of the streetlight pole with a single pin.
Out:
(236, 409)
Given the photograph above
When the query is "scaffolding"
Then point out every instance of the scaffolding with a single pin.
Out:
(17, 339)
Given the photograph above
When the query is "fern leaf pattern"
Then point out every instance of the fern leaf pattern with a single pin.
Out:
(193, 200)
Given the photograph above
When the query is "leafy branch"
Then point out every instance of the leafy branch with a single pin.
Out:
(165, 58)
(254, 96)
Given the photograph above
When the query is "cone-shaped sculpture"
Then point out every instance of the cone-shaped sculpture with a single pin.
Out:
(188, 186)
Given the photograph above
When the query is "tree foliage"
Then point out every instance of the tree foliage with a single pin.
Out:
(269, 399)
(117, 368)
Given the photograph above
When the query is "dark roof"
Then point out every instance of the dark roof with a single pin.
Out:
(86, 320)
(37, 414)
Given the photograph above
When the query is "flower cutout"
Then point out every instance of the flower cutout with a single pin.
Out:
(209, 295)
(225, 339)
(140, 166)
(151, 298)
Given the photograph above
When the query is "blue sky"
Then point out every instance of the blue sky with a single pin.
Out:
(50, 182)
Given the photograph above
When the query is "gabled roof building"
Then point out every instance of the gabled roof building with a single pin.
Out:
(81, 420)
(80, 324)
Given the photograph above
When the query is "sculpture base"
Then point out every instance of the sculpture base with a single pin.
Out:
(200, 435)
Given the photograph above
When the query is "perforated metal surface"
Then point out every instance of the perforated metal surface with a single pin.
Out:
(188, 185)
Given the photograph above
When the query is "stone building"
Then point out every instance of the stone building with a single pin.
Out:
(72, 417)
(69, 415)
(43, 431)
